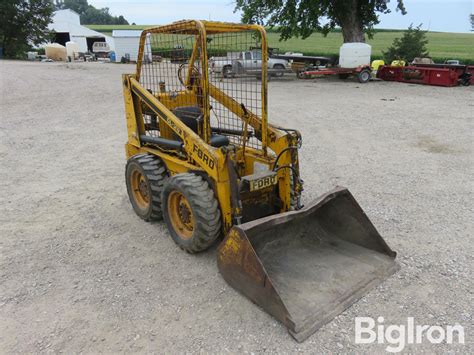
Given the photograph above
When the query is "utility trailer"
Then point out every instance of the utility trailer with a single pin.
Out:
(363, 73)
(426, 74)
(354, 60)
(302, 63)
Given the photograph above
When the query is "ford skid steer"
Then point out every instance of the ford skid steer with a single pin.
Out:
(203, 157)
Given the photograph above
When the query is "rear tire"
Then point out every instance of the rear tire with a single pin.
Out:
(191, 212)
(465, 80)
(145, 175)
(227, 72)
(281, 70)
(364, 76)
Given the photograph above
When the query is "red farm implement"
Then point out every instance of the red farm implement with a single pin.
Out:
(439, 75)
(465, 72)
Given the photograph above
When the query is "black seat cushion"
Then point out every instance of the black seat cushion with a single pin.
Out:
(218, 140)
(189, 116)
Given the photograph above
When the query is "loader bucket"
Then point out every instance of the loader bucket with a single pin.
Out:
(307, 266)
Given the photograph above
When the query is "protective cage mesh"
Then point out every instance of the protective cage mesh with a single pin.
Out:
(234, 67)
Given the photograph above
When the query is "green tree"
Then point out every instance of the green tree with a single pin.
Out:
(89, 14)
(303, 17)
(79, 6)
(411, 45)
(23, 23)
(94, 16)
(471, 17)
(121, 20)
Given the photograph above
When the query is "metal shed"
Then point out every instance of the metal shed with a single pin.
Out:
(67, 27)
(126, 42)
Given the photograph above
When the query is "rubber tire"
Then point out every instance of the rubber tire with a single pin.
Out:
(465, 81)
(156, 174)
(301, 75)
(227, 72)
(293, 196)
(205, 209)
(362, 79)
(279, 74)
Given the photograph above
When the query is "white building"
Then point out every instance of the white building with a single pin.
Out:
(67, 26)
(126, 42)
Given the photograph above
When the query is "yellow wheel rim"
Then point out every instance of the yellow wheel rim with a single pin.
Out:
(139, 186)
(180, 215)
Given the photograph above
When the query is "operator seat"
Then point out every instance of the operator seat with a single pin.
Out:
(190, 116)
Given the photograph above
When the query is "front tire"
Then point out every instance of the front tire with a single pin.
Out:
(145, 175)
(191, 212)
(302, 75)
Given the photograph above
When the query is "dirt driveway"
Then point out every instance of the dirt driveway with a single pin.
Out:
(80, 272)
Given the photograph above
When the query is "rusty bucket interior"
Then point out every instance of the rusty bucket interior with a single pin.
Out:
(307, 266)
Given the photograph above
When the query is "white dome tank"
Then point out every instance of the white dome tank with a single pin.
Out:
(72, 48)
(352, 55)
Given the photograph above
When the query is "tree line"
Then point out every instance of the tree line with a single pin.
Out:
(24, 23)
(90, 15)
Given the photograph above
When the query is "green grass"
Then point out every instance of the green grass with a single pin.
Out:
(441, 45)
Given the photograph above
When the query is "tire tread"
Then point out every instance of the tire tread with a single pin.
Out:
(205, 210)
(156, 174)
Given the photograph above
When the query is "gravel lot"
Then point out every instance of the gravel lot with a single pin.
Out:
(80, 272)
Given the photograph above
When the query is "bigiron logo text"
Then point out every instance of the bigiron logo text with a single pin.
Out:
(398, 336)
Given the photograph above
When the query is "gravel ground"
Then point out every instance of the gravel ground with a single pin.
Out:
(80, 272)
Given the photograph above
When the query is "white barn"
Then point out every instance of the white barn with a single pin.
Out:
(67, 26)
(126, 42)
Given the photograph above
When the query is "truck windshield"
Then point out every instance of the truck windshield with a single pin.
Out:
(257, 55)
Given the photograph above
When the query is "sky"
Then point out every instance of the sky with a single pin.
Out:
(435, 15)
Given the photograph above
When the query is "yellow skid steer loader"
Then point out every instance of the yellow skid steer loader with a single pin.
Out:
(202, 156)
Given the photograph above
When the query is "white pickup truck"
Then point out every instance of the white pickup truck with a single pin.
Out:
(101, 49)
(249, 61)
